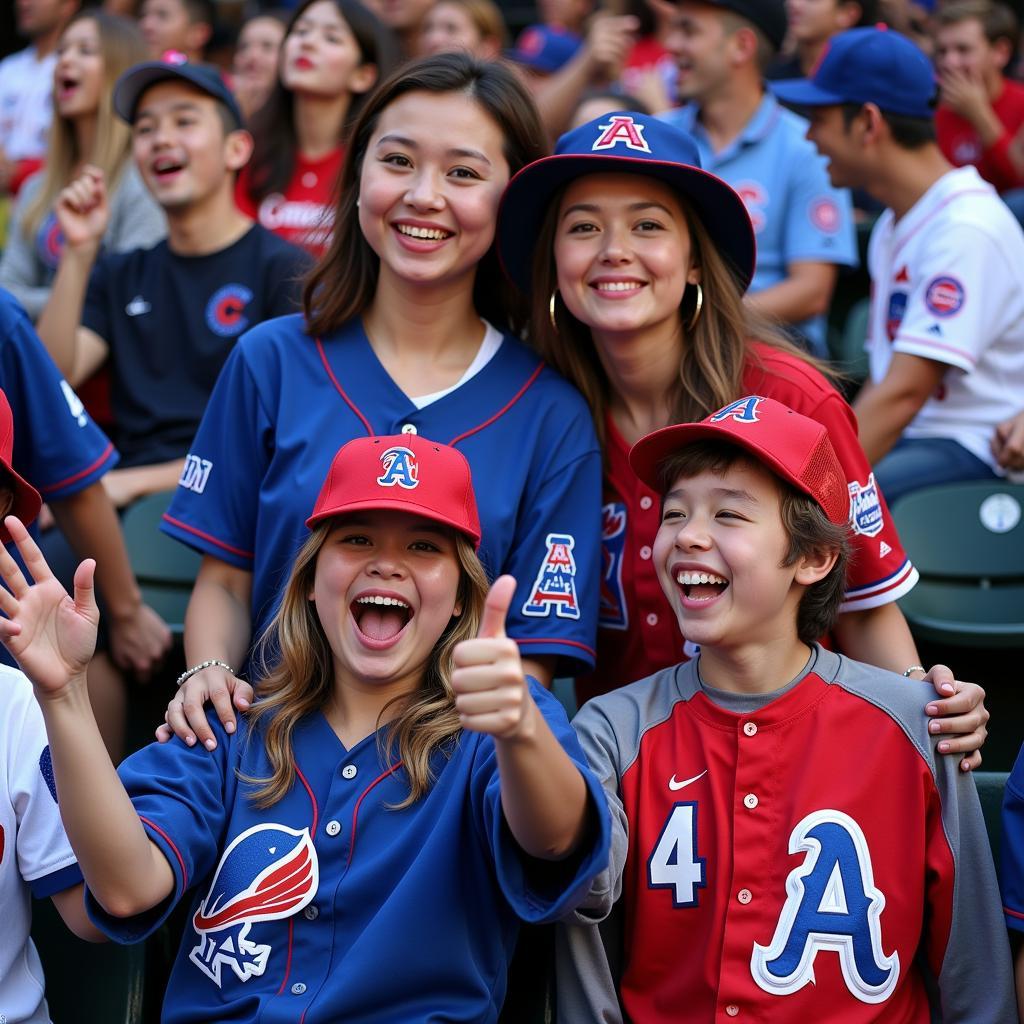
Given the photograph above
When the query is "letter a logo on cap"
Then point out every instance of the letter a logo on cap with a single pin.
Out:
(400, 469)
(742, 411)
(622, 128)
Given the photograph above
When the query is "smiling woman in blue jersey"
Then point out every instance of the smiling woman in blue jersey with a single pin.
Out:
(402, 333)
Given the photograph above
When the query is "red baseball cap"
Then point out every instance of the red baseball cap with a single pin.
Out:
(27, 501)
(405, 472)
(792, 446)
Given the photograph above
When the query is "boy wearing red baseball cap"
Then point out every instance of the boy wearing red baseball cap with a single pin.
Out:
(787, 844)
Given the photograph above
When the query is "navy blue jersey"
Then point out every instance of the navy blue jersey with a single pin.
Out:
(170, 322)
(285, 403)
(57, 447)
(329, 905)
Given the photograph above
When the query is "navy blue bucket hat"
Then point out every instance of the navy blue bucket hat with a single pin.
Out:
(623, 143)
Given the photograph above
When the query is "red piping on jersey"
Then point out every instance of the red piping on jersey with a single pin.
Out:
(504, 409)
(928, 343)
(170, 842)
(341, 391)
(288, 961)
(291, 920)
(1013, 913)
(207, 536)
(355, 810)
(556, 640)
(312, 799)
(81, 473)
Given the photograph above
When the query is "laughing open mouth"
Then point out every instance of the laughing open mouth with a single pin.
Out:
(701, 586)
(381, 618)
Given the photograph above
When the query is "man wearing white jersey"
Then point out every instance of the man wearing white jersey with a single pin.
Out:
(946, 333)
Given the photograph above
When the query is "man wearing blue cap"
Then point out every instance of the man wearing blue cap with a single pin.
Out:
(167, 316)
(946, 331)
(804, 226)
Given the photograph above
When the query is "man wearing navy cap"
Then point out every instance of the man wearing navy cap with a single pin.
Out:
(165, 317)
(804, 226)
(946, 330)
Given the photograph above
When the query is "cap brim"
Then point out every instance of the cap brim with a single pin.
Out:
(530, 192)
(802, 92)
(398, 505)
(132, 83)
(26, 505)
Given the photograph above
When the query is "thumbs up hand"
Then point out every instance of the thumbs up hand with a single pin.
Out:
(491, 694)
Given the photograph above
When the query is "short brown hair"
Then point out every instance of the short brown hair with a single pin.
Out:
(997, 20)
(807, 528)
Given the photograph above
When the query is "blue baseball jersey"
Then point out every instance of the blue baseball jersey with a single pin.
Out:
(1011, 872)
(783, 180)
(57, 446)
(331, 905)
(285, 403)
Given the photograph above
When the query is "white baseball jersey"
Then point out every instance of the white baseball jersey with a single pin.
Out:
(26, 108)
(947, 284)
(34, 851)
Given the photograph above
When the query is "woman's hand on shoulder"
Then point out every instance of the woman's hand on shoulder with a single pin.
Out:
(185, 716)
(959, 715)
(51, 635)
(491, 694)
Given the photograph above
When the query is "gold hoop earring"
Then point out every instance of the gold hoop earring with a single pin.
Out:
(551, 311)
(697, 306)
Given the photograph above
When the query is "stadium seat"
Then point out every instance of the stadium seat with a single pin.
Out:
(165, 568)
(967, 541)
(990, 792)
(88, 983)
(847, 345)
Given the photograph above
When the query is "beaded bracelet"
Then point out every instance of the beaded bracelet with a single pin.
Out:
(913, 668)
(190, 672)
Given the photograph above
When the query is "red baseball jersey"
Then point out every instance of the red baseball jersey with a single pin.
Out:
(805, 859)
(637, 631)
(304, 213)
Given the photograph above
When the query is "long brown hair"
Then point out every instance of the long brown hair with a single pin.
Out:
(122, 46)
(714, 353)
(273, 125)
(297, 666)
(342, 285)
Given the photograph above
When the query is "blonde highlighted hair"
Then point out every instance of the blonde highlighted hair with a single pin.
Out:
(713, 353)
(121, 46)
(296, 663)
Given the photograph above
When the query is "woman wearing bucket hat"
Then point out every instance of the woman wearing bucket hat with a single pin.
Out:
(636, 261)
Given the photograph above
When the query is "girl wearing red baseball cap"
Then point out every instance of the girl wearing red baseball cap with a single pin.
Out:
(398, 788)
(637, 261)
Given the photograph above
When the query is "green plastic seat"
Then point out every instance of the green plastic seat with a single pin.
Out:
(967, 542)
(165, 568)
(847, 345)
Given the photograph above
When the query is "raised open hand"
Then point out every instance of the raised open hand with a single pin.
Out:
(51, 636)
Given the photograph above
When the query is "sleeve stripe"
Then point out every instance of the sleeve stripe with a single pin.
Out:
(207, 537)
(170, 842)
(928, 343)
(521, 641)
(74, 478)
(1013, 913)
(882, 585)
(877, 594)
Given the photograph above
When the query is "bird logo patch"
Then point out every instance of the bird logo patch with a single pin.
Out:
(269, 872)
(555, 586)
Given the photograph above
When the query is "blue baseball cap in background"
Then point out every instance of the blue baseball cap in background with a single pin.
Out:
(867, 65)
(172, 65)
(544, 49)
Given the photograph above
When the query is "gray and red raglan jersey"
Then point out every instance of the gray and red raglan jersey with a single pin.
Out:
(808, 860)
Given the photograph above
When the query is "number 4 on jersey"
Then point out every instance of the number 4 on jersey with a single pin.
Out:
(674, 863)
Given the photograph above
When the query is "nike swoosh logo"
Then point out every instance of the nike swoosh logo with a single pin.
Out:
(673, 785)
